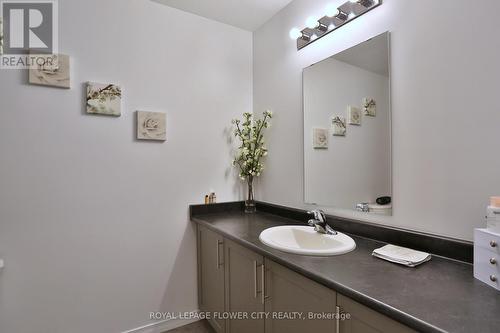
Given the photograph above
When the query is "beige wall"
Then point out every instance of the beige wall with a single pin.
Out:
(94, 225)
(445, 79)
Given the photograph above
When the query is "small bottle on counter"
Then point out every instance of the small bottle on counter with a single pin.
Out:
(207, 200)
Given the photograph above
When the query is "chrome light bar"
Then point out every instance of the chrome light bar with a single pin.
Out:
(334, 20)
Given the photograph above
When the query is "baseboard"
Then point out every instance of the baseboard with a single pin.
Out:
(163, 325)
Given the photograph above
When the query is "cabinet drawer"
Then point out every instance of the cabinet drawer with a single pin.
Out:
(487, 240)
(487, 260)
(486, 266)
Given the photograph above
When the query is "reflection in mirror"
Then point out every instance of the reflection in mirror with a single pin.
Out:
(347, 129)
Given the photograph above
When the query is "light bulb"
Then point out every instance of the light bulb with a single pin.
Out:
(331, 10)
(295, 33)
(312, 23)
(314, 36)
(351, 15)
(331, 26)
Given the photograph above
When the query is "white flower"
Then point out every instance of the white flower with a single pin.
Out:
(251, 150)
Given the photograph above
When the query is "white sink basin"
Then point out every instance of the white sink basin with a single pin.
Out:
(305, 240)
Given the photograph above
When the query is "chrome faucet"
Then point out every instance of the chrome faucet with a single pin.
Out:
(319, 223)
(363, 207)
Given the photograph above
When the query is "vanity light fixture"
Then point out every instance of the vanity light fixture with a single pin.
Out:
(311, 23)
(331, 10)
(335, 17)
(295, 33)
(343, 16)
(364, 3)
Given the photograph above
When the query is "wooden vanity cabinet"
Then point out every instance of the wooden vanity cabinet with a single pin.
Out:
(211, 275)
(289, 292)
(243, 292)
(254, 293)
(365, 320)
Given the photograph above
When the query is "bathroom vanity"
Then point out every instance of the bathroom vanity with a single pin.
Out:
(235, 279)
(352, 292)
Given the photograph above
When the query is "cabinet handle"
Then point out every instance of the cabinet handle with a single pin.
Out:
(264, 297)
(493, 261)
(337, 319)
(493, 243)
(493, 278)
(200, 276)
(219, 243)
(255, 279)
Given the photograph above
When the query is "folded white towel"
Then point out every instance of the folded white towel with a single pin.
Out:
(401, 255)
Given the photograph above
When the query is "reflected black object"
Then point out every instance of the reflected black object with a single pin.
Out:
(384, 200)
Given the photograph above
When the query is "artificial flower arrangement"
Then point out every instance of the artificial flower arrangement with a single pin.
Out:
(251, 151)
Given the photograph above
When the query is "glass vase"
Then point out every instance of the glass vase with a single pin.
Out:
(250, 206)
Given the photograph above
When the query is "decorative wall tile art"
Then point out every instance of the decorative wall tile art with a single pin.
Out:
(369, 107)
(339, 126)
(104, 99)
(151, 126)
(354, 115)
(320, 138)
(54, 73)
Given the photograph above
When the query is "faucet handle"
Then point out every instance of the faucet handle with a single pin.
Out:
(321, 227)
(318, 215)
(312, 222)
(363, 207)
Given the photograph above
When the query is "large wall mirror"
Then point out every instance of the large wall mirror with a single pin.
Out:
(347, 129)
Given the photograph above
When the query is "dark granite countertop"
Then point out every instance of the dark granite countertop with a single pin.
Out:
(438, 296)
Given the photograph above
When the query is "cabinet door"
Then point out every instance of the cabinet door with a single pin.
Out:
(289, 293)
(244, 272)
(365, 320)
(211, 275)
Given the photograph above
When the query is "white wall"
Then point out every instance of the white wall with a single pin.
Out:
(356, 167)
(94, 225)
(445, 79)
